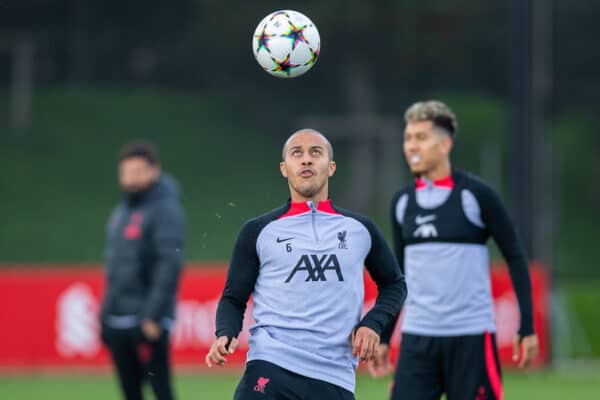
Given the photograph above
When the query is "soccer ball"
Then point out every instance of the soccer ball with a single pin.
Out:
(286, 44)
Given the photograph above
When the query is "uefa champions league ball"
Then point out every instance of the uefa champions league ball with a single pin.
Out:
(286, 44)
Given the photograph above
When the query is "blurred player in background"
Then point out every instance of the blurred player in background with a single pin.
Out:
(441, 224)
(144, 257)
(303, 263)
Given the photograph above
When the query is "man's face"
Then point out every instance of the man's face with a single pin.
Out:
(424, 147)
(307, 165)
(136, 174)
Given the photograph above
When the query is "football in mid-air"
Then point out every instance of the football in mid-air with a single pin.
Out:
(286, 44)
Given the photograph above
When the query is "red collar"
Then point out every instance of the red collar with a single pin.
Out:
(299, 207)
(446, 182)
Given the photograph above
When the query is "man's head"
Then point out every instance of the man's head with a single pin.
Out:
(307, 163)
(138, 166)
(428, 136)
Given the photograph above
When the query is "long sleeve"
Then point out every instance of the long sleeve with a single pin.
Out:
(501, 228)
(397, 240)
(388, 277)
(398, 244)
(241, 278)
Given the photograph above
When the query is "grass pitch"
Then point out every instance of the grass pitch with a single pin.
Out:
(573, 385)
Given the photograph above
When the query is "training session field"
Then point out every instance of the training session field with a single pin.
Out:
(576, 384)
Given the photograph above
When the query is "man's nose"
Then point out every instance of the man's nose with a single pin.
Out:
(306, 160)
(410, 145)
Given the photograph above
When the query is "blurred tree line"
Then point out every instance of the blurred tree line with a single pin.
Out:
(403, 51)
(414, 46)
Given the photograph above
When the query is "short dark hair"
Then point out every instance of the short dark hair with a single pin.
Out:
(140, 148)
(435, 111)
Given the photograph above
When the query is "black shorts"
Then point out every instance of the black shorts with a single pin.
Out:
(264, 380)
(462, 367)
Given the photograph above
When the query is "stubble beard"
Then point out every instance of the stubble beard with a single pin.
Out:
(310, 190)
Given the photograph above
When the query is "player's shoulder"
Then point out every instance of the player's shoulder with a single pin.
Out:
(403, 191)
(469, 180)
(362, 219)
(257, 224)
(168, 206)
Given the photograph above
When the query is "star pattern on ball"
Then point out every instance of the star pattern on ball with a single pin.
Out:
(296, 33)
(278, 13)
(262, 40)
(314, 54)
(284, 66)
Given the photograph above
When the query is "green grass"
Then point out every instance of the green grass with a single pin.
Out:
(541, 385)
(58, 179)
(582, 302)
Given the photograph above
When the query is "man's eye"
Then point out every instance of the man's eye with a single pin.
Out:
(316, 151)
(296, 152)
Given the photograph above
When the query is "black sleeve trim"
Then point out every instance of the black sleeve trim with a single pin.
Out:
(397, 239)
(241, 275)
(384, 270)
(398, 245)
(501, 228)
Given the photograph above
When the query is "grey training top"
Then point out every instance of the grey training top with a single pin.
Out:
(303, 264)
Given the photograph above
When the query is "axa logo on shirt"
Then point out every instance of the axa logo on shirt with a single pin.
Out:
(316, 266)
(425, 227)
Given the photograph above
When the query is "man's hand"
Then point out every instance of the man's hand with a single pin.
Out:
(364, 343)
(380, 365)
(526, 348)
(219, 350)
(151, 330)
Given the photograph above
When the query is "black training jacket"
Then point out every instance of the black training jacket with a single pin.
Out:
(144, 255)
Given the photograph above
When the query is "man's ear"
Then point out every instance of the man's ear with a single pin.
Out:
(447, 144)
(283, 169)
(332, 168)
(157, 171)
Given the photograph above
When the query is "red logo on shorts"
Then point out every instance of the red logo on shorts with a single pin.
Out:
(260, 384)
(481, 394)
(144, 352)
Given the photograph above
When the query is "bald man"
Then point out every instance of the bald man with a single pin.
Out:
(303, 263)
